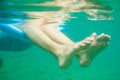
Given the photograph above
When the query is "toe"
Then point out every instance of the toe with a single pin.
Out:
(91, 38)
(107, 38)
(86, 42)
(101, 37)
(94, 34)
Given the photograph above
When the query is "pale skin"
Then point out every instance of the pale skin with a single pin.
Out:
(43, 32)
(64, 49)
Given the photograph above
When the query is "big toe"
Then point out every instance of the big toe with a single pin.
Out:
(91, 38)
(103, 37)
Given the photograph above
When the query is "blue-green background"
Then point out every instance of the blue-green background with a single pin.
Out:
(37, 64)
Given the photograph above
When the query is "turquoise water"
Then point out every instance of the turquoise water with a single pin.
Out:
(37, 64)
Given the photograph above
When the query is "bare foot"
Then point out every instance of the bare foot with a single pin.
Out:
(65, 59)
(99, 44)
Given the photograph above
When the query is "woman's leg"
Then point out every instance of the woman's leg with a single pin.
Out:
(63, 53)
(87, 55)
(35, 33)
(56, 35)
(97, 44)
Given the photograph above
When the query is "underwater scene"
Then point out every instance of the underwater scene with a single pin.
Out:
(23, 59)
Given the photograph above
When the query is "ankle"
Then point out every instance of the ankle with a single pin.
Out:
(58, 51)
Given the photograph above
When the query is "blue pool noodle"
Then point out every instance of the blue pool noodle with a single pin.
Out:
(13, 31)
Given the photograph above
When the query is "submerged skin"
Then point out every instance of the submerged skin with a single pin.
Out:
(41, 30)
(46, 35)
(90, 52)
